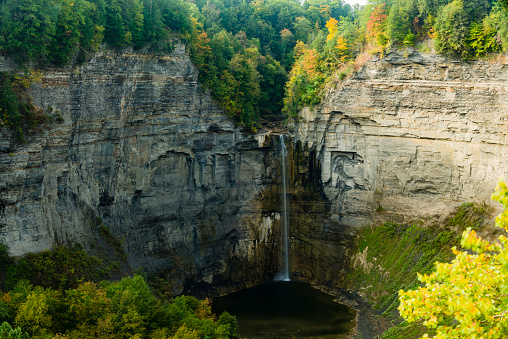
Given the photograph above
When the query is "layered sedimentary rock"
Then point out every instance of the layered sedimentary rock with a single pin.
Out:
(144, 150)
(405, 137)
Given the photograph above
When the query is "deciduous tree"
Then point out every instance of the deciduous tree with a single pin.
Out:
(467, 298)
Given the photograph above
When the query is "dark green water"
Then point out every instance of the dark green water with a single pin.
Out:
(286, 309)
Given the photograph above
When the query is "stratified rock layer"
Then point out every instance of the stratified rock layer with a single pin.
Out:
(405, 136)
(410, 135)
(143, 148)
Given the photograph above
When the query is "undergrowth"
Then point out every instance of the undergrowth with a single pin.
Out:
(61, 268)
(17, 112)
(114, 242)
(393, 254)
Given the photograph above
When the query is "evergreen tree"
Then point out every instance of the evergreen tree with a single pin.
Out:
(30, 27)
(115, 34)
(399, 21)
(133, 16)
(452, 29)
(155, 32)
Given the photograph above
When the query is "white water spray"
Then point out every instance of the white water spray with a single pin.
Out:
(284, 274)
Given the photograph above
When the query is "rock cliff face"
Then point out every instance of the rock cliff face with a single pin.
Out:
(405, 137)
(145, 150)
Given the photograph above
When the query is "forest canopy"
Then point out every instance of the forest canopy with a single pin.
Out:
(258, 57)
(68, 293)
(123, 309)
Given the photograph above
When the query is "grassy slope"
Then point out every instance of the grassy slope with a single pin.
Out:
(389, 256)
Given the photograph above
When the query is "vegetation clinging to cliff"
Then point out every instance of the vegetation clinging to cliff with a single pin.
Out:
(458, 28)
(242, 49)
(390, 256)
(467, 297)
(16, 109)
(54, 31)
(61, 268)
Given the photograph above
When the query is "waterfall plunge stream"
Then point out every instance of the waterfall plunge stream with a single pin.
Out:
(285, 308)
(284, 273)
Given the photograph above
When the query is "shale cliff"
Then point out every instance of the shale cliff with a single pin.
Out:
(143, 150)
(407, 136)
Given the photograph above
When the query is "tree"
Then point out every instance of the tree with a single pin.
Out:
(272, 80)
(176, 16)
(305, 82)
(336, 49)
(115, 34)
(303, 28)
(452, 29)
(332, 28)
(400, 19)
(154, 31)
(211, 13)
(92, 31)
(134, 19)
(222, 49)
(124, 309)
(133, 304)
(87, 303)
(467, 298)
(430, 7)
(317, 11)
(37, 312)
(7, 332)
(498, 19)
(246, 93)
(504, 4)
(185, 333)
(75, 31)
(376, 26)
(201, 54)
(228, 326)
(29, 28)
(288, 40)
(483, 38)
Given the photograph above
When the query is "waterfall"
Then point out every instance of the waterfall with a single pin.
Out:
(284, 273)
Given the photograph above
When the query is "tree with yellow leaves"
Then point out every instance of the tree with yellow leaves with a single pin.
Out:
(336, 45)
(306, 81)
(467, 298)
(332, 28)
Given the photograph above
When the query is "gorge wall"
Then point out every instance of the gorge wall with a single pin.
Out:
(145, 151)
(405, 137)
